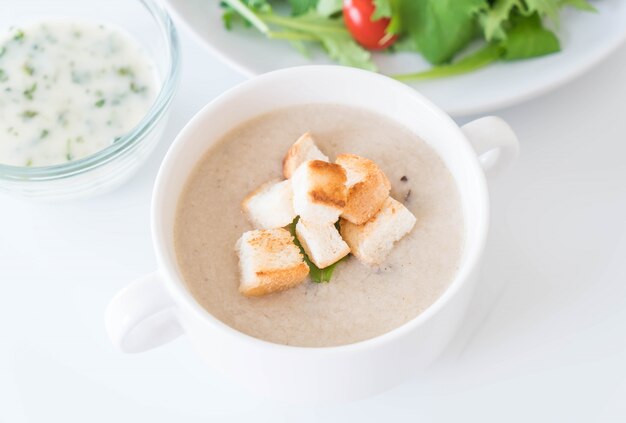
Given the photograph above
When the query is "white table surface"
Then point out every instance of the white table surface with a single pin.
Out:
(544, 340)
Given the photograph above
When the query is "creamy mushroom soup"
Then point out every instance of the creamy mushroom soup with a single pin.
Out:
(359, 302)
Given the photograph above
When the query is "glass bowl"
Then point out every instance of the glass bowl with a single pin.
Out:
(150, 25)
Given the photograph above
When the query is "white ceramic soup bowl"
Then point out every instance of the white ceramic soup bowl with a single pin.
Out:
(158, 307)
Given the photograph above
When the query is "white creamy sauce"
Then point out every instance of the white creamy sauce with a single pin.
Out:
(69, 89)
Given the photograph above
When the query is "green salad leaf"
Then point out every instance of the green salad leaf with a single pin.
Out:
(329, 8)
(437, 28)
(481, 58)
(440, 30)
(347, 52)
(300, 7)
(382, 9)
(317, 275)
(306, 26)
(496, 20)
(528, 38)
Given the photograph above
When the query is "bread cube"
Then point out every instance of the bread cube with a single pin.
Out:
(368, 188)
(322, 243)
(372, 242)
(270, 206)
(303, 150)
(319, 191)
(269, 261)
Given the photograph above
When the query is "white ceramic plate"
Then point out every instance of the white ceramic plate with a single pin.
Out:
(586, 39)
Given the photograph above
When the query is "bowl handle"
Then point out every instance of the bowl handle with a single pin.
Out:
(494, 141)
(142, 316)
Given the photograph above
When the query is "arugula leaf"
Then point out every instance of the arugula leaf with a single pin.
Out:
(401, 14)
(549, 8)
(301, 47)
(579, 4)
(228, 16)
(329, 32)
(496, 17)
(329, 7)
(317, 275)
(528, 38)
(347, 52)
(382, 9)
(247, 10)
(496, 21)
(300, 7)
(481, 58)
(404, 44)
(441, 28)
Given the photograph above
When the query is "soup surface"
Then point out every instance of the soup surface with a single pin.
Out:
(360, 302)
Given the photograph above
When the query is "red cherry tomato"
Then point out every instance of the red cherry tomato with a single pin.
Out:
(357, 14)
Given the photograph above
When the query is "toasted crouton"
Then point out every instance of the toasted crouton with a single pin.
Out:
(304, 149)
(322, 243)
(368, 188)
(270, 206)
(319, 191)
(269, 261)
(372, 241)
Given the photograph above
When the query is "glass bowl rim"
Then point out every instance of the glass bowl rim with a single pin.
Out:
(132, 138)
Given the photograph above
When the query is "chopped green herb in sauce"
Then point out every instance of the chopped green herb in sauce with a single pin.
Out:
(28, 93)
(136, 88)
(68, 155)
(29, 114)
(67, 90)
(28, 69)
(126, 71)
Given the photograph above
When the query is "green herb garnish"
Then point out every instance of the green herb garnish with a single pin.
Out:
(19, 35)
(44, 133)
(125, 71)
(3, 50)
(29, 114)
(29, 162)
(3, 76)
(68, 155)
(317, 275)
(137, 88)
(28, 93)
(28, 69)
(100, 102)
